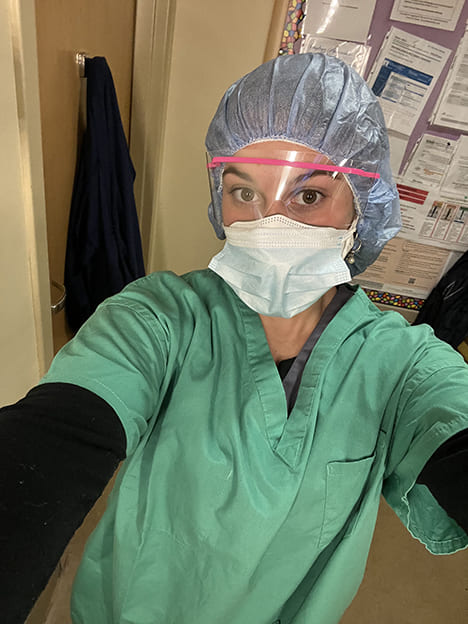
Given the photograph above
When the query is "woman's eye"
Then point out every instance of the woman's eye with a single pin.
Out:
(308, 197)
(244, 194)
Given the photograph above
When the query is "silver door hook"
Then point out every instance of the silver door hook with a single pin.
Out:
(80, 58)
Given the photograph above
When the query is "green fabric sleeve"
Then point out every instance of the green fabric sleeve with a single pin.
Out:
(433, 407)
(120, 355)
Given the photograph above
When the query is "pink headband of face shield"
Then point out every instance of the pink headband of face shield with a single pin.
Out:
(220, 160)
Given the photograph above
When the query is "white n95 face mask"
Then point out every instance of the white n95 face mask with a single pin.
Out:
(280, 267)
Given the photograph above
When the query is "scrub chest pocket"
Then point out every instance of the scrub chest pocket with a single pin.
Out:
(345, 483)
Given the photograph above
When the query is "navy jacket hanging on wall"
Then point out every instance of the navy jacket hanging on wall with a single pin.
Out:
(103, 246)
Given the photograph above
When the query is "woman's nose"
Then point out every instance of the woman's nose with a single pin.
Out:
(277, 206)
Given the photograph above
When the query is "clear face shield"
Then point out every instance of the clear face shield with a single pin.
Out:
(304, 186)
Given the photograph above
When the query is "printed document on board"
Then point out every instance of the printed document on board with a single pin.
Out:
(443, 15)
(452, 108)
(430, 160)
(433, 219)
(404, 75)
(407, 268)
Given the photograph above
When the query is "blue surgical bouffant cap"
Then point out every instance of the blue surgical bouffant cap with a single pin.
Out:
(322, 103)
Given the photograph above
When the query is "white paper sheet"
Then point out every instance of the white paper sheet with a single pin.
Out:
(429, 162)
(406, 268)
(452, 107)
(348, 20)
(442, 15)
(354, 54)
(403, 76)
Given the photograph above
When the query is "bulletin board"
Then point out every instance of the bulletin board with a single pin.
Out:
(414, 56)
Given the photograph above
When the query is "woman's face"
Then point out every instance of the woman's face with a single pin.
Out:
(252, 191)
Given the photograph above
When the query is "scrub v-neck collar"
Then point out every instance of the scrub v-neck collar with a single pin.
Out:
(286, 435)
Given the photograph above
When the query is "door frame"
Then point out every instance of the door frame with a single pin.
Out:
(154, 29)
(26, 333)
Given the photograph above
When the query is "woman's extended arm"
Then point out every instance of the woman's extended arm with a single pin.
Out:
(60, 446)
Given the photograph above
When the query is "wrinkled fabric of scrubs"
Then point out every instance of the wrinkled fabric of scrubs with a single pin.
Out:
(227, 511)
(319, 102)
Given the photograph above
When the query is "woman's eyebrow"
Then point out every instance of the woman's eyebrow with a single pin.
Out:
(238, 172)
(312, 174)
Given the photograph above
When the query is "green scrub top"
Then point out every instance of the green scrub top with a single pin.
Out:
(225, 510)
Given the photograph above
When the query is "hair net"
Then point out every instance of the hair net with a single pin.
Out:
(322, 103)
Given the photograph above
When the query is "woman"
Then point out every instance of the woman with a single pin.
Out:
(263, 405)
